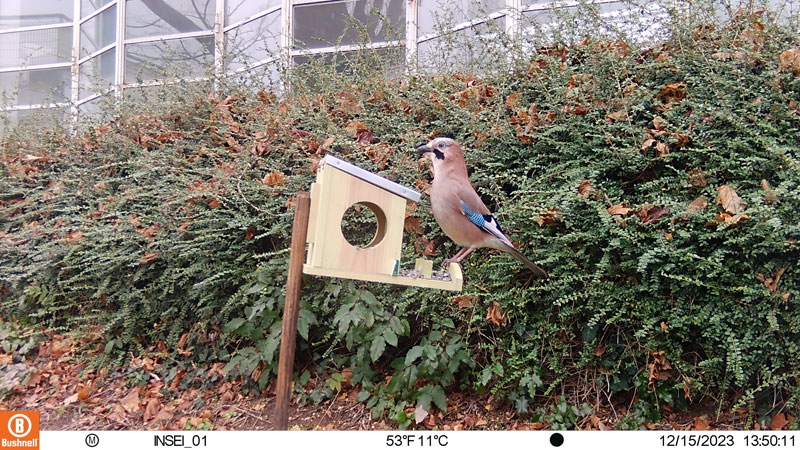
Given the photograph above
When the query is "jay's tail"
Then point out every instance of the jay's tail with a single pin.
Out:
(536, 270)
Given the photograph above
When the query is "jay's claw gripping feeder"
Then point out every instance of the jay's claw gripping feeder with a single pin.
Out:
(317, 237)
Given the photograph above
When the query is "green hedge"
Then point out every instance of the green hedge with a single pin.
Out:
(594, 156)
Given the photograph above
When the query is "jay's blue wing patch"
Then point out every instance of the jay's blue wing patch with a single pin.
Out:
(486, 223)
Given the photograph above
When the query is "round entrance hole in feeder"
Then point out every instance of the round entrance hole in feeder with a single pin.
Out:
(363, 225)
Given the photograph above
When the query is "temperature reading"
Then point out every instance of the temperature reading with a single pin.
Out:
(411, 440)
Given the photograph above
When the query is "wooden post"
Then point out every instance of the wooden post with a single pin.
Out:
(291, 307)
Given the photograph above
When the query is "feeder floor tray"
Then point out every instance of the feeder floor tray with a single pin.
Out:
(454, 284)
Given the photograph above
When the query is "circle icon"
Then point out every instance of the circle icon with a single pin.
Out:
(92, 440)
(556, 439)
(19, 425)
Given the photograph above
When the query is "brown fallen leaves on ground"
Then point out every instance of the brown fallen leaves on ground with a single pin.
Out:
(72, 397)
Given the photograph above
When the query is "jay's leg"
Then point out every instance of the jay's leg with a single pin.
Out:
(458, 257)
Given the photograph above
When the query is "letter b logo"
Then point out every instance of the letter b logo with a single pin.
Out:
(19, 429)
(19, 425)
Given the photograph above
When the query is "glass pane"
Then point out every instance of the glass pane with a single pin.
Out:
(33, 87)
(390, 60)
(328, 24)
(469, 49)
(29, 48)
(254, 41)
(90, 110)
(90, 6)
(266, 77)
(33, 119)
(573, 22)
(162, 17)
(436, 15)
(23, 13)
(98, 32)
(176, 58)
(97, 74)
(236, 10)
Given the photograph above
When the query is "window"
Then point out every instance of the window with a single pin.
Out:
(166, 40)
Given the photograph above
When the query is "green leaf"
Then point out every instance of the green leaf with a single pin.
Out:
(396, 325)
(304, 319)
(439, 398)
(413, 354)
(234, 324)
(369, 298)
(256, 288)
(362, 395)
(390, 337)
(424, 399)
(377, 348)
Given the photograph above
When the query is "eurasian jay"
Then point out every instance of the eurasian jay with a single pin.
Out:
(458, 209)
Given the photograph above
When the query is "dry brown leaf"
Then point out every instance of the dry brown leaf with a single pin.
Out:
(465, 301)
(71, 399)
(672, 92)
(512, 101)
(149, 257)
(681, 139)
(696, 178)
(182, 340)
(660, 369)
(214, 203)
(664, 327)
(651, 213)
(790, 59)
(151, 409)
(618, 209)
(662, 149)
(413, 225)
(617, 116)
(702, 423)
(585, 189)
(273, 179)
(729, 199)
(130, 402)
(548, 217)
(769, 194)
(730, 219)
(778, 422)
(496, 315)
(83, 394)
(600, 350)
(698, 204)
(420, 413)
(772, 283)
(722, 56)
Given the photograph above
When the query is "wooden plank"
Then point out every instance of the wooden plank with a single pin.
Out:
(371, 178)
(455, 284)
(291, 308)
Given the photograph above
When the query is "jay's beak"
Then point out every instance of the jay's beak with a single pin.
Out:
(423, 149)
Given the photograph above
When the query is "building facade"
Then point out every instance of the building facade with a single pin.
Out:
(64, 54)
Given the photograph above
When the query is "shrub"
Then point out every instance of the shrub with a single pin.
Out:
(658, 186)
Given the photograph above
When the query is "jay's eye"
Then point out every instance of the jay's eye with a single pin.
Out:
(441, 144)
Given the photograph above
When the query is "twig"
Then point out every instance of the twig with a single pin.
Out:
(239, 189)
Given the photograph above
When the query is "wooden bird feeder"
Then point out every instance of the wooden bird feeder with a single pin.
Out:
(317, 235)
(341, 185)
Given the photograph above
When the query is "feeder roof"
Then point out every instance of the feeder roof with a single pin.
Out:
(371, 178)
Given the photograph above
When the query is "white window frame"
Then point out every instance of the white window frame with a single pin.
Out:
(512, 12)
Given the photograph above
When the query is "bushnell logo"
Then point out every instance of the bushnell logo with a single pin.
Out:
(19, 430)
